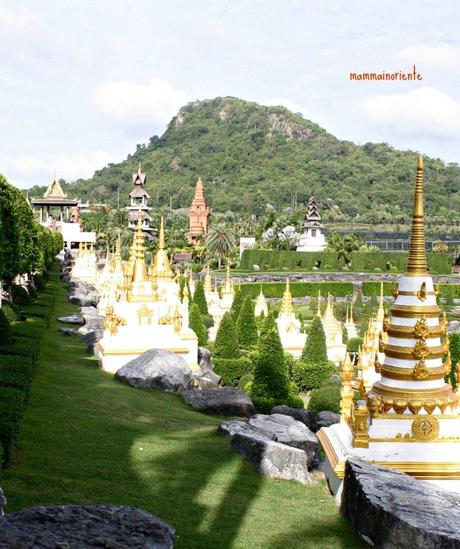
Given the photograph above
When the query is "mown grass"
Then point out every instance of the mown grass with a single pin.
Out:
(88, 439)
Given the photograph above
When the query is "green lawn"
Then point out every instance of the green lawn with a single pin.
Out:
(88, 439)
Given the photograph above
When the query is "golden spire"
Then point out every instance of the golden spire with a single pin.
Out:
(381, 309)
(207, 286)
(417, 264)
(139, 270)
(160, 267)
(228, 287)
(286, 303)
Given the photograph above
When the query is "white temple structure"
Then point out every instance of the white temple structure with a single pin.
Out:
(261, 304)
(336, 349)
(292, 339)
(407, 420)
(312, 239)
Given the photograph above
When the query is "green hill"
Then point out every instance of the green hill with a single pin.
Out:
(249, 155)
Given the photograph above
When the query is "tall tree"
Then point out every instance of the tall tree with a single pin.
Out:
(195, 322)
(246, 326)
(220, 243)
(226, 343)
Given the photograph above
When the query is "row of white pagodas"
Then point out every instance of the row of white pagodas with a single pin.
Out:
(408, 419)
(143, 308)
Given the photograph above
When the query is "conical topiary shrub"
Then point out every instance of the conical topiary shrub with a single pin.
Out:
(200, 299)
(270, 385)
(246, 326)
(268, 324)
(237, 304)
(195, 322)
(315, 350)
(226, 343)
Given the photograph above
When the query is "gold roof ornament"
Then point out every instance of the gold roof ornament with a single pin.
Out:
(207, 286)
(117, 263)
(139, 268)
(381, 309)
(286, 303)
(160, 267)
(228, 286)
(417, 263)
(54, 190)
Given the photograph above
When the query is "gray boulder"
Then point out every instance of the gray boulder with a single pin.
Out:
(157, 369)
(289, 431)
(307, 417)
(83, 300)
(227, 401)
(326, 419)
(2, 502)
(204, 360)
(85, 526)
(393, 510)
(204, 380)
(91, 338)
(72, 319)
(231, 428)
(272, 459)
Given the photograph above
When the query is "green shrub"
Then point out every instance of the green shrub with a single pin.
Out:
(40, 282)
(200, 299)
(268, 324)
(353, 344)
(196, 324)
(454, 348)
(26, 329)
(12, 404)
(5, 329)
(231, 370)
(237, 303)
(246, 326)
(17, 372)
(315, 350)
(326, 397)
(244, 381)
(10, 311)
(20, 348)
(226, 343)
(311, 375)
(208, 321)
(271, 385)
(32, 292)
(20, 295)
(298, 289)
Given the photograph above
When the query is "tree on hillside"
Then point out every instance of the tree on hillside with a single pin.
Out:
(195, 322)
(246, 326)
(226, 343)
(220, 243)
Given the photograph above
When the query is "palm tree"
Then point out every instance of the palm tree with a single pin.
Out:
(220, 242)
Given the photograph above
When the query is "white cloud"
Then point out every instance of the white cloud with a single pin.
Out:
(424, 113)
(26, 171)
(441, 56)
(152, 103)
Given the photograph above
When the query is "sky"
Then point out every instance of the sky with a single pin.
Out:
(83, 82)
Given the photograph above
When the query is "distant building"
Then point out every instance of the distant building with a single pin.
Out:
(62, 214)
(312, 238)
(139, 200)
(199, 215)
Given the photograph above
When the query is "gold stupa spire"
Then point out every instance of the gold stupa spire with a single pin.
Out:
(417, 264)
(139, 269)
(286, 303)
(160, 267)
(207, 286)
(228, 287)
(381, 309)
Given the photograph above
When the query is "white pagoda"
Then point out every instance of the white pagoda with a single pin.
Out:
(408, 420)
(312, 239)
(292, 339)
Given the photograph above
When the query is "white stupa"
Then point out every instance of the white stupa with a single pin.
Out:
(312, 239)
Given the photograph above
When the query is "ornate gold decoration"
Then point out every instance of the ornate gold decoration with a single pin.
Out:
(347, 373)
(395, 330)
(425, 428)
(160, 267)
(420, 371)
(394, 290)
(421, 294)
(420, 350)
(207, 286)
(144, 315)
(396, 372)
(112, 321)
(361, 424)
(447, 364)
(286, 303)
(417, 264)
(421, 330)
(437, 289)
(411, 311)
(165, 320)
(177, 320)
(375, 406)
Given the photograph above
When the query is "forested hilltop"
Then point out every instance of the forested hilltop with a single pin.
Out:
(249, 155)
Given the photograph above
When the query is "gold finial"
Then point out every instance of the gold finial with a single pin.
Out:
(228, 287)
(207, 286)
(417, 264)
(161, 237)
(286, 303)
(139, 269)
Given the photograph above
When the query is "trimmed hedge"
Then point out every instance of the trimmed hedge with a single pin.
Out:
(231, 370)
(311, 375)
(5, 329)
(298, 289)
(326, 397)
(275, 260)
(20, 295)
(26, 329)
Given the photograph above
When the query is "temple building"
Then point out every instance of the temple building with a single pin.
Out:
(312, 239)
(261, 304)
(199, 215)
(408, 419)
(336, 349)
(139, 199)
(59, 213)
